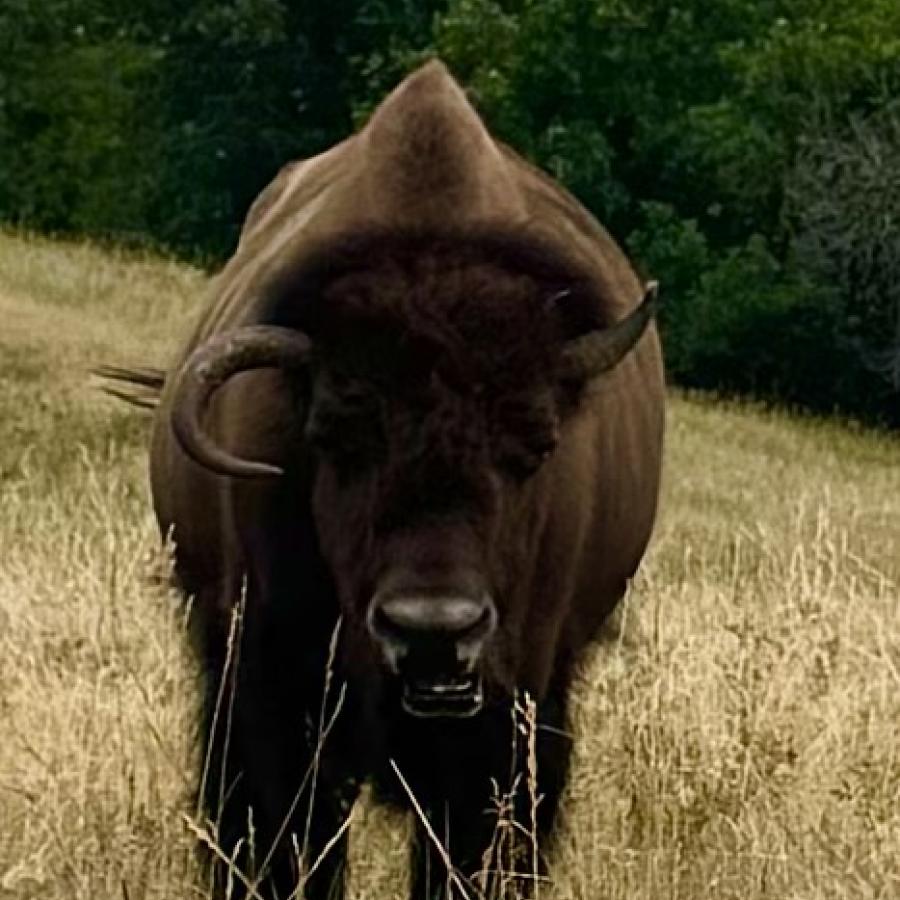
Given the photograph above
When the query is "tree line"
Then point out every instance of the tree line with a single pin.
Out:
(744, 151)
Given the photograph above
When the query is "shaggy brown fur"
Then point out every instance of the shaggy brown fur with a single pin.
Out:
(432, 447)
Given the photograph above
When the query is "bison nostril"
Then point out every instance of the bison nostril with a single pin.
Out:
(410, 617)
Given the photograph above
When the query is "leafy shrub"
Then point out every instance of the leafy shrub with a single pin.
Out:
(844, 196)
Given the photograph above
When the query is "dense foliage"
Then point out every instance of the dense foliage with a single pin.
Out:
(745, 151)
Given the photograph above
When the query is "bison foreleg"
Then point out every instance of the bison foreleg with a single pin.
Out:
(275, 794)
(488, 795)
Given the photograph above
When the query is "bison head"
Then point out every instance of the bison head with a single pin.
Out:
(432, 393)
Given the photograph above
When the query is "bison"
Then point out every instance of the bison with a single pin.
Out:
(409, 459)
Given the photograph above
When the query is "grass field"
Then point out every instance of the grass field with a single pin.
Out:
(738, 733)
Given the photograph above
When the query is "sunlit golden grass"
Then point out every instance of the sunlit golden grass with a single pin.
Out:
(738, 732)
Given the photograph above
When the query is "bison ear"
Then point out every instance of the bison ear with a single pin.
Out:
(600, 350)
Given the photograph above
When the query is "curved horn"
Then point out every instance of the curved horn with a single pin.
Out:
(599, 351)
(208, 368)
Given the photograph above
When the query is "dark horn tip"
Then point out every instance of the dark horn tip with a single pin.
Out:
(601, 350)
(208, 454)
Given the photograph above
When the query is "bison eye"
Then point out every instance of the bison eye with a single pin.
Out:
(521, 462)
(347, 431)
(526, 433)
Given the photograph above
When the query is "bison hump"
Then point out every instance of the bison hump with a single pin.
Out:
(428, 156)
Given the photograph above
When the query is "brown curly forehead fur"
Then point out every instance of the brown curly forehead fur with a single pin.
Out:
(485, 311)
(467, 317)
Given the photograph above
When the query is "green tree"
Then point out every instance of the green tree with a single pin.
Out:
(740, 147)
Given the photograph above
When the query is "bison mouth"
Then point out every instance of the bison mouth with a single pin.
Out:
(457, 697)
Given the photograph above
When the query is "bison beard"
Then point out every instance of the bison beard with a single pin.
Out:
(410, 459)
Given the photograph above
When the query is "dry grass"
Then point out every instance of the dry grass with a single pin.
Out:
(738, 737)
